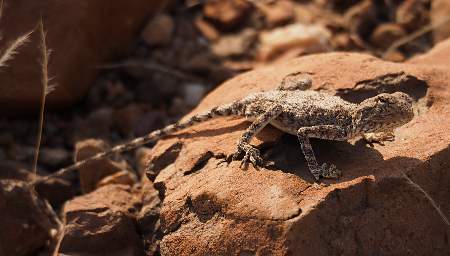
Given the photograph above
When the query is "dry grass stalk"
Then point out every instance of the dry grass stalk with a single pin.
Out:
(11, 50)
(46, 89)
(428, 197)
(1, 8)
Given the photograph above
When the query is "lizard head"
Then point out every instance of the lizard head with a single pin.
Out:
(383, 112)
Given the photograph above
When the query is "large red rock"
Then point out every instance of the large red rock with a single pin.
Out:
(81, 34)
(102, 223)
(55, 190)
(148, 217)
(440, 11)
(436, 56)
(91, 175)
(27, 223)
(213, 207)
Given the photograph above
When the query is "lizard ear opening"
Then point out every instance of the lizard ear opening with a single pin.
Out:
(295, 81)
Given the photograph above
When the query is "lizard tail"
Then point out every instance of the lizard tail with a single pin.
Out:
(234, 108)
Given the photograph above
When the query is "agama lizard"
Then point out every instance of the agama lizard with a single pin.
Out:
(294, 110)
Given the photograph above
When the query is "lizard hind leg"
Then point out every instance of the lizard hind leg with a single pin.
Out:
(252, 154)
(328, 132)
(325, 170)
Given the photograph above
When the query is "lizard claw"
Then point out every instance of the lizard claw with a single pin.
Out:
(251, 155)
(330, 171)
(378, 138)
(236, 155)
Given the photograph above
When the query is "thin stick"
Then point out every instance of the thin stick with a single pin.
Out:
(150, 66)
(415, 35)
(1, 9)
(427, 196)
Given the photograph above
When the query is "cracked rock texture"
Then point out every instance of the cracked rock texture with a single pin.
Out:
(211, 207)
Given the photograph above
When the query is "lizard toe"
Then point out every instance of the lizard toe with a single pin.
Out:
(378, 138)
(252, 155)
(330, 171)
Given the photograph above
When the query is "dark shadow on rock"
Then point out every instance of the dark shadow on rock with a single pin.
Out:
(169, 156)
(204, 206)
(432, 175)
(389, 83)
(353, 160)
(288, 157)
(386, 217)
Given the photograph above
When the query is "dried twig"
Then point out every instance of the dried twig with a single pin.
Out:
(1, 8)
(428, 197)
(151, 66)
(415, 35)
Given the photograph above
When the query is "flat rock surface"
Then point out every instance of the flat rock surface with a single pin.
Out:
(210, 205)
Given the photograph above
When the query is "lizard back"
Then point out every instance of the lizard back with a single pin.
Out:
(300, 109)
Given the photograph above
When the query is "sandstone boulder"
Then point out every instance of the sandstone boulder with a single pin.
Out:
(102, 223)
(94, 173)
(385, 203)
(81, 34)
(27, 222)
(440, 10)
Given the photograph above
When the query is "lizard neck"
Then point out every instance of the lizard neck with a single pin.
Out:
(359, 127)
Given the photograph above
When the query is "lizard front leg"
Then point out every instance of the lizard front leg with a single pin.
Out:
(250, 153)
(328, 132)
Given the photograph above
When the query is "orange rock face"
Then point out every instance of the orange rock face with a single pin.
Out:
(210, 205)
(102, 223)
(93, 175)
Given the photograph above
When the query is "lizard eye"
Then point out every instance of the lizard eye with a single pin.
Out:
(381, 100)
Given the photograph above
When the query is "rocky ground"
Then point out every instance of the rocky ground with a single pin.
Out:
(179, 197)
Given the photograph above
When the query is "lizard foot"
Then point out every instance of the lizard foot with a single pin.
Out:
(328, 171)
(251, 155)
(378, 138)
